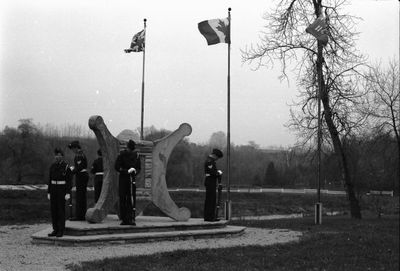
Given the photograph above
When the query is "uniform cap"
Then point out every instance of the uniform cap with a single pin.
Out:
(131, 144)
(74, 144)
(218, 153)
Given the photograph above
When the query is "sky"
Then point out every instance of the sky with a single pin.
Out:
(63, 61)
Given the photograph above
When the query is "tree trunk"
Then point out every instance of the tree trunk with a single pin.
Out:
(337, 144)
(339, 151)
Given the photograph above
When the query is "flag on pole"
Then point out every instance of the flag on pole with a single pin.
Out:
(215, 31)
(319, 30)
(137, 44)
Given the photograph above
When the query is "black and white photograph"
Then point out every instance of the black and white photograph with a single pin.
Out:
(199, 135)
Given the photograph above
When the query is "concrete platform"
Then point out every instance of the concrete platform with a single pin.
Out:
(147, 229)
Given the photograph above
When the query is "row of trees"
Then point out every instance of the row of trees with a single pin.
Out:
(27, 152)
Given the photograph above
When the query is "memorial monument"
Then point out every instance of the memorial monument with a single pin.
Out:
(155, 154)
(103, 227)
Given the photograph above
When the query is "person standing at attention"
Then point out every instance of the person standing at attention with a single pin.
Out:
(128, 166)
(81, 180)
(212, 175)
(58, 191)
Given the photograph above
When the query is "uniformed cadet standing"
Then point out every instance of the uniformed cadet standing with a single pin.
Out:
(128, 166)
(212, 176)
(97, 171)
(81, 180)
(58, 191)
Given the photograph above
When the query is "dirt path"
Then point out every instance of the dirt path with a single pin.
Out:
(17, 253)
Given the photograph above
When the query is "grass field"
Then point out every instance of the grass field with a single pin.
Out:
(340, 243)
(33, 207)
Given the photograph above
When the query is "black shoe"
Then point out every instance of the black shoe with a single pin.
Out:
(60, 234)
(73, 219)
(53, 233)
(131, 223)
(124, 223)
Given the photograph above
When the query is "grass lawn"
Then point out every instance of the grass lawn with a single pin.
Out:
(340, 243)
(29, 207)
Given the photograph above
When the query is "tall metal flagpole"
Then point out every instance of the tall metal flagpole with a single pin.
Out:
(142, 112)
(318, 206)
(228, 149)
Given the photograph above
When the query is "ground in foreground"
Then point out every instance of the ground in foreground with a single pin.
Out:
(340, 243)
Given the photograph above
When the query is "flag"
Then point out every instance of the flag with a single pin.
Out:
(319, 30)
(137, 44)
(215, 31)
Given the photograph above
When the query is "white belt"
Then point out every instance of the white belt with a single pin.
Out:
(57, 182)
(83, 170)
(99, 173)
(208, 175)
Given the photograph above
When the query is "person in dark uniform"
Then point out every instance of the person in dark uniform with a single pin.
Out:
(212, 176)
(81, 180)
(128, 166)
(97, 171)
(58, 191)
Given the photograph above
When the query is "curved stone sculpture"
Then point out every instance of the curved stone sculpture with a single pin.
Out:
(109, 146)
(161, 152)
(160, 149)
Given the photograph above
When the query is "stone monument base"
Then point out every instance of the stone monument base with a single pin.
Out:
(147, 229)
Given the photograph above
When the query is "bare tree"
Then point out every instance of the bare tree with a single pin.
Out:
(336, 66)
(383, 104)
(217, 140)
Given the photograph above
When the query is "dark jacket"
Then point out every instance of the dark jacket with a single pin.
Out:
(60, 172)
(80, 162)
(97, 166)
(210, 167)
(126, 160)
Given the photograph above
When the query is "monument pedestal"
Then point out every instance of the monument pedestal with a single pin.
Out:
(147, 229)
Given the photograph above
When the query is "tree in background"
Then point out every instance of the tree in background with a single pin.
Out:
(335, 66)
(371, 160)
(180, 166)
(152, 133)
(217, 140)
(22, 149)
(383, 103)
(271, 175)
(66, 130)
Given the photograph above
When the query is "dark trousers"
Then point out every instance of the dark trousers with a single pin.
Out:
(125, 198)
(211, 196)
(57, 207)
(98, 183)
(81, 181)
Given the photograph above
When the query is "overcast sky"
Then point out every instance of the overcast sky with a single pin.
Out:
(63, 61)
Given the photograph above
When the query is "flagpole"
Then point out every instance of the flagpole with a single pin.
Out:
(144, 53)
(228, 151)
(318, 206)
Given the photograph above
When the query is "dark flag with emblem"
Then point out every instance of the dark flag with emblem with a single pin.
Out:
(319, 30)
(137, 44)
(215, 31)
